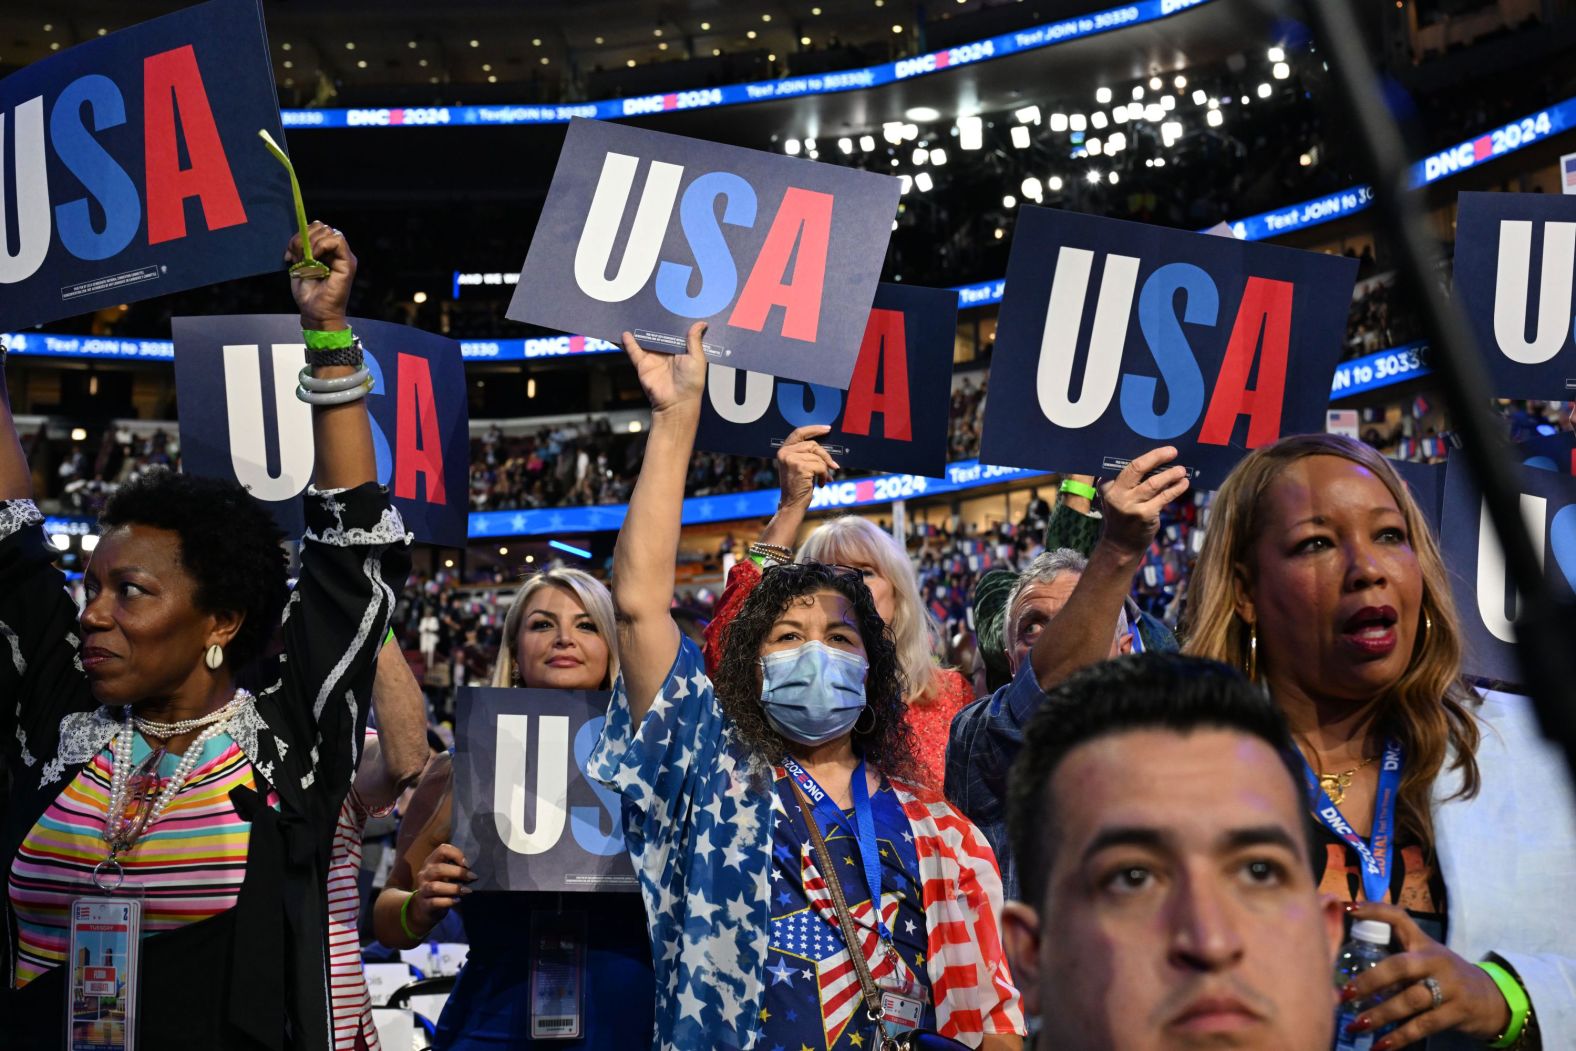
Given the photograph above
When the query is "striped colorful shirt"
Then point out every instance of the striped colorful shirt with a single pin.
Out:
(351, 1002)
(190, 864)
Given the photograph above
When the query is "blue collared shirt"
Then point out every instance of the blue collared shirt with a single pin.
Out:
(985, 740)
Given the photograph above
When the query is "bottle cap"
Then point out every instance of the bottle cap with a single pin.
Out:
(1371, 931)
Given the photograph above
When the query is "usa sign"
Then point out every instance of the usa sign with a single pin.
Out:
(1487, 602)
(1515, 275)
(135, 167)
(1115, 337)
(893, 417)
(526, 816)
(236, 377)
(648, 233)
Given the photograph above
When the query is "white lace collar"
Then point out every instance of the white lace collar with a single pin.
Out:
(84, 734)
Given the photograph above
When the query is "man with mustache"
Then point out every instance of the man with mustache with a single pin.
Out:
(1164, 853)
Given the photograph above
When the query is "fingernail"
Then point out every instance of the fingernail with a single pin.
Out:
(464, 891)
(1348, 992)
(1350, 906)
(1358, 1026)
(1383, 1045)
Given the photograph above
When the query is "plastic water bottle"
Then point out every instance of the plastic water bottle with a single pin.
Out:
(1366, 949)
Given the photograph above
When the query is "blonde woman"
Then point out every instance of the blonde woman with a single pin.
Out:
(934, 694)
(559, 635)
(1319, 576)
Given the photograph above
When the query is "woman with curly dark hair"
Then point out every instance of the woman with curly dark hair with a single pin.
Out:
(801, 889)
(139, 761)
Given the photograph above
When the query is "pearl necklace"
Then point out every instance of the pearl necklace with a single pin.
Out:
(165, 731)
(121, 835)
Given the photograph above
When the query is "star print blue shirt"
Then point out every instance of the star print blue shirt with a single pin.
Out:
(813, 1000)
(697, 816)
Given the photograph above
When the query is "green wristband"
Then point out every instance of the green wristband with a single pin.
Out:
(1515, 998)
(316, 340)
(404, 922)
(1077, 488)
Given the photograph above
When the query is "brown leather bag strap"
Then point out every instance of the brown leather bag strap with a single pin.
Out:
(845, 919)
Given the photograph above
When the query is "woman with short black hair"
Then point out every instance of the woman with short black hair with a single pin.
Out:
(136, 758)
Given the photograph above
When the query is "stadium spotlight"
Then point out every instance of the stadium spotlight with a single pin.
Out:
(1078, 122)
(1028, 115)
(1054, 184)
(1200, 96)
(1102, 95)
(971, 133)
(938, 156)
(1058, 122)
(1009, 201)
(1020, 137)
(867, 143)
(1281, 71)
(921, 155)
(1277, 54)
(1138, 92)
(1098, 119)
(1264, 90)
(1094, 176)
(923, 183)
(1214, 118)
(1094, 147)
(846, 145)
(922, 113)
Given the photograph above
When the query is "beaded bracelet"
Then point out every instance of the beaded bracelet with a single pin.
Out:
(404, 923)
(1515, 998)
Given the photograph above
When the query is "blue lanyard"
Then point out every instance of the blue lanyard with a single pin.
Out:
(1377, 851)
(865, 836)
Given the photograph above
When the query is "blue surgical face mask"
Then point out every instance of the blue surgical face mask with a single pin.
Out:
(813, 693)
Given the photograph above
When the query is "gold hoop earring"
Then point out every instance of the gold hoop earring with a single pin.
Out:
(867, 711)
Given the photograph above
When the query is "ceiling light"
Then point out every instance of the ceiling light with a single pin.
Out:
(536, 41)
(289, 64)
(971, 133)
(544, 60)
(658, 31)
(814, 155)
(924, 113)
(1009, 201)
(923, 182)
(486, 67)
(1098, 119)
(905, 183)
(1000, 233)
(1170, 131)
(1028, 115)
(1305, 160)
(1155, 83)
(1154, 113)
(1031, 188)
(1138, 92)
(662, 46)
(705, 26)
(411, 44)
(815, 10)
(1180, 82)
(599, 40)
(1093, 176)
(1213, 118)
(476, 43)
(1214, 103)
(846, 145)
(1077, 122)
(1276, 54)
(867, 143)
(1264, 90)
(897, 29)
(422, 63)
(1054, 183)
(1168, 102)
(491, 79)
(938, 156)
(62, 541)
(1114, 178)
(892, 132)
(1281, 71)
(1115, 142)
(89, 541)
(910, 132)
(750, 34)
(1094, 147)
(630, 63)
(1119, 115)
(766, 18)
(809, 144)
(921, 155)
(1020, 137)
(1102, 95)
(804, 41)
(1058, 122)
(1200, 96)
(350, 45)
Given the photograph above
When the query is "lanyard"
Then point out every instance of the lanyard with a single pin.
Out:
(864, 836)
(1376, 852)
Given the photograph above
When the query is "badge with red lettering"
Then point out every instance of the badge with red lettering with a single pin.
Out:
(1117, 337)
(133, 166)
(893, 416)
(240, 419)
(648, 233)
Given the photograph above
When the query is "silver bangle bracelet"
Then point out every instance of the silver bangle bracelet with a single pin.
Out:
(329, 386)
(342, 397)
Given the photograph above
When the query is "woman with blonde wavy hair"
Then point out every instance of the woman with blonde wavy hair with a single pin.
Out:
(1320, 577)
(934, 694)
(559, 634)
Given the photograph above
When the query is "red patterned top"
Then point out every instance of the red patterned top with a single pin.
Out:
(931, 719)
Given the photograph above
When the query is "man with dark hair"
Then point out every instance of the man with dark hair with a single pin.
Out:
(1164, 850)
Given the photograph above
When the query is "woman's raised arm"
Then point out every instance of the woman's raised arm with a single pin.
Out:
(647, 549)
(342, 433)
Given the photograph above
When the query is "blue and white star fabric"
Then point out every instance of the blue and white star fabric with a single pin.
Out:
(697, 820)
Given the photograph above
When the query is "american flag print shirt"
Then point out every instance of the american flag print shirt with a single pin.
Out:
(698, 816)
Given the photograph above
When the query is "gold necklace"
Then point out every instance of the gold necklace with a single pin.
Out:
(1335, 785)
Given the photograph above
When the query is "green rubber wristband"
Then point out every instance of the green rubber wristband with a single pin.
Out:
(1515, 998)
(1077, 488)
(328, 340)
(404, 922)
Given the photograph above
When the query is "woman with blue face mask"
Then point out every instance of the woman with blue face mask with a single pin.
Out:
(801, 890)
